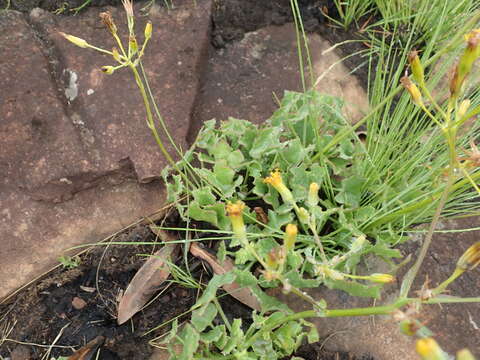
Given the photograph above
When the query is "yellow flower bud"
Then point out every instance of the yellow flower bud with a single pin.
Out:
(75, 40)
(465, 354)
(235, 213)
(132, 44)
(275, 258)
(416, 66)
(290, 237)
(470, 258)
(471, 53)
(330, 273)
(428, 349)
(409, 327)
(358, 243)
(275, 179)
(412, 89)
(116, 55)
(148, 30)
(269, 275)
(303, 215)
(313, 194)
(381, 278)
(108, 70)
(463, 108)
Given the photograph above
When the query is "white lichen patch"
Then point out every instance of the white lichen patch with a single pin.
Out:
(71, 91)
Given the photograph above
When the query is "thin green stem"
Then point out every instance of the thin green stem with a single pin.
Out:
(412, 273)
(302, 295)
(432, 100)
(467, 175)
(150, 120)
(451, 300)
(222, 314)
(299, 47)
(430, 115)
(441, 288)
(450, 136)
(100, 49)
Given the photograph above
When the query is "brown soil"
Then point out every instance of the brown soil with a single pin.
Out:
(40, 312)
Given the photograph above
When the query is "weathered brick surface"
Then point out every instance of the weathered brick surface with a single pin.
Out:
(243, 77)
(76, 154)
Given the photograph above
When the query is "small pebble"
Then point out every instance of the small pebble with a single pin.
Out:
(78, 303)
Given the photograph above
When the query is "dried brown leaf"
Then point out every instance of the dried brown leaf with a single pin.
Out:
(244, 294)
(87, 352)
(147, 279)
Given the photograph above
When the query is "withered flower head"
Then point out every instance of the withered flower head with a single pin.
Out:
(412, 89)
(127, 4)
(108, 21)
(473, 39)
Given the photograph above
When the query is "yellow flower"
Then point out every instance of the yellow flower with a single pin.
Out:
(290, 237)
(235, 213)
(428, 349)
(275, 179)
(235, 209)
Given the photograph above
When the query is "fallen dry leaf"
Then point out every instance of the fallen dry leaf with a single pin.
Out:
(244, 295)
(88, 289)
(147, 279)
(86, 352)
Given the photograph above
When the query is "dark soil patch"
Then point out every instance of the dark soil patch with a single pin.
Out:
(44, 314)
(317, 352)
(40, 312)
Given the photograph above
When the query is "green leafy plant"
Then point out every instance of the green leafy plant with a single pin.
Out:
(69, 262)
(301, 200)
